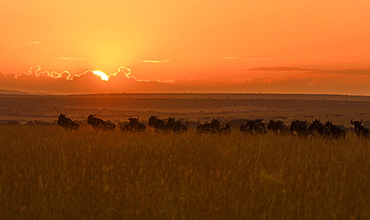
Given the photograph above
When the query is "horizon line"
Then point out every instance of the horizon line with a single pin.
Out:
(16, 92)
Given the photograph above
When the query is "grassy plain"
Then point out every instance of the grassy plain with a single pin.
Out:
(50, 173)
(203, 107)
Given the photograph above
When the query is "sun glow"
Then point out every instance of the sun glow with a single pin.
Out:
(102, 75)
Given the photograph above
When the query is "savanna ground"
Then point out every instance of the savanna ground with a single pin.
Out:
(50, 173)
(203, 107)
(47, 172)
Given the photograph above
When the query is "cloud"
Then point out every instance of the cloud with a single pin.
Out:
(303, 80)
(256, 57)
(347, 71)
(37, 72)
(155, 61)
(67, 58)
(33, 43)
(65, 82)
(281, 68)
(308, 70)
(127, 72)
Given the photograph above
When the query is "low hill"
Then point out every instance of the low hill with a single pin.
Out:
(5, 91)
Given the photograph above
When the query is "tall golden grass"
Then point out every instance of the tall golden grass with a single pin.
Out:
(51, 173)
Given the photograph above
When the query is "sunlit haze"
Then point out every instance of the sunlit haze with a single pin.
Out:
(104, 46)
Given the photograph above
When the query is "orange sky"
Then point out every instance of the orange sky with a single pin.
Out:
(283, 46)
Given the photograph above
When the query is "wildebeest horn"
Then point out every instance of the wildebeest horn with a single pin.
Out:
(352, 121)
(360, 121)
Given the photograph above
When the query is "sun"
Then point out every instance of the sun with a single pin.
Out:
(102, 75)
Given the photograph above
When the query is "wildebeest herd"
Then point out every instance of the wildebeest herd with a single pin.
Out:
(172, 125)
(254, 127)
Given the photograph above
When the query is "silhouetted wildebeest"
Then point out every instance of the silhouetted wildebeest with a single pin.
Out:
(67, 123)
(334, 131)
(175, 126)
(133, 126)
(259, 126)
(360, 129)
(277, 126)
(256, 126)
(226, 129)
(209, 128)
(156, 123)
(299, 127)
(246, 128)
(100, 124)
(317, 128)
